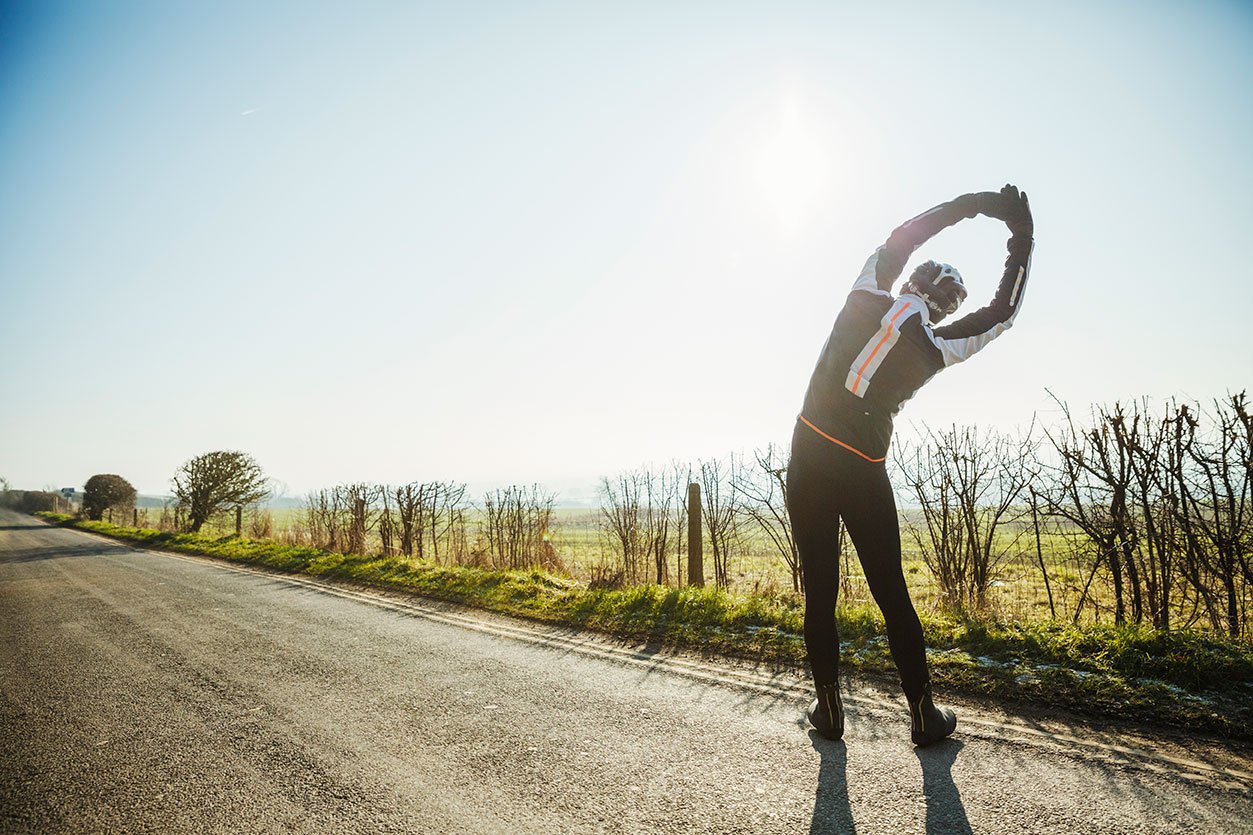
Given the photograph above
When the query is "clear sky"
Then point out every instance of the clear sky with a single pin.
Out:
(516, 242)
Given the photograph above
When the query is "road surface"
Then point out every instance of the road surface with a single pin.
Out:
(146, 692)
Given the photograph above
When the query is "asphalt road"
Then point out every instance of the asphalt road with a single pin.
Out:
(144, 692)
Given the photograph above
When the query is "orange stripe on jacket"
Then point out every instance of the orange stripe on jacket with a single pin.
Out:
(886, 334)
(838, 442)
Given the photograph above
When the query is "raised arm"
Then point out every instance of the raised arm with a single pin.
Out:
(885, 264)
(961, 339)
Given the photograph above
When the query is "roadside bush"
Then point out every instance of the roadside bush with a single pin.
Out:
(105, 491)
(31, 501)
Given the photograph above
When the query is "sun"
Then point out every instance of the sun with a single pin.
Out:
(792, 168)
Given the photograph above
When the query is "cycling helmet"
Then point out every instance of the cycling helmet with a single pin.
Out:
(939, 285)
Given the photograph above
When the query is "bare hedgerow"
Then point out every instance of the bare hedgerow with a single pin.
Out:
(720, 508)
(642, 520)
(324, 515)
(261, 525)
(517, 527)
(967, 483)
(660, 531)
(1214, 471)
(762, 487)
(621, 523)
(680, 478)
(1164, 502)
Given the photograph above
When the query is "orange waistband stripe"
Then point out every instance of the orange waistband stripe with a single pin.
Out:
(838, 442)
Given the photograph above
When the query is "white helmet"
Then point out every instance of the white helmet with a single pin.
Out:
(939, 285)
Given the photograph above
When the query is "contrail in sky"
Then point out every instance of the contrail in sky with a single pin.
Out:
(249, 111)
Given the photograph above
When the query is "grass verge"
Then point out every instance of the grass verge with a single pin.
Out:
(1189, 680)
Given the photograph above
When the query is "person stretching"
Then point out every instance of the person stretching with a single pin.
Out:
(880, 352)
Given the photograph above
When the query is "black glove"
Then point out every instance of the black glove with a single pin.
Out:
(1008, 205)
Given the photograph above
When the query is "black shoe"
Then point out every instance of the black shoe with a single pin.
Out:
(826, 713)
(930, 724)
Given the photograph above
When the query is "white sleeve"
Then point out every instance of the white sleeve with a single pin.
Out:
(868, 280)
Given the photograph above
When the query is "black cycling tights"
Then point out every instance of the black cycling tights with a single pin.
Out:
(824, 484)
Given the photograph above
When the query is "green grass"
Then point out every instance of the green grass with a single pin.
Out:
(1188, 679)
(1017, 594)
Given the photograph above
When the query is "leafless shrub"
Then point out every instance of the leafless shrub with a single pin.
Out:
(441, 521)
(661, 493)
(720, 508)
(362, 514)
(1164, 502)
(261, 525)
(762, 490)
(966, 483)
(324, 513)
(386, 522)
(1213, 509)
(680, 478)
(166, 521)
(621, 521)
(606, 577)
(410, 502)
(517, 527)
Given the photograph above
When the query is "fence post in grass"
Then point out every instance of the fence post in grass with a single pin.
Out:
(239, 519)
(134, 517)
(695, 565)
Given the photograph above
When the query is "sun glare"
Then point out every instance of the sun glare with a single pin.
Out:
(792, 168)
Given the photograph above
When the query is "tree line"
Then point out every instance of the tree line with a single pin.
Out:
(1150, 505)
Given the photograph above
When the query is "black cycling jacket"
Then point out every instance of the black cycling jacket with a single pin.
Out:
(882, 349)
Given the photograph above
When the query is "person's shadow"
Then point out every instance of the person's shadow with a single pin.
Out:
(832, 813)
(831, 810)
(945, 812)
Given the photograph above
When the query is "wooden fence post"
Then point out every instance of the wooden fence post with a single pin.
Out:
(695, 553)
(239, 519)
(134, 517)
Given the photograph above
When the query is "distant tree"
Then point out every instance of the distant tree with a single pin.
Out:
(215, 481)
(104, 491)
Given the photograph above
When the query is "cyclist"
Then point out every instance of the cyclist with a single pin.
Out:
(881, 350)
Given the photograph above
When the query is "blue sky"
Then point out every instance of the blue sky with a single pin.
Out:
(504, 242)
